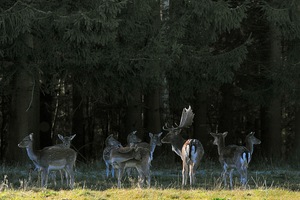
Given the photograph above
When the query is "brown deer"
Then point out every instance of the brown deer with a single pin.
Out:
(191, 151)
(66, 143)
(232, 157)
(111, 143)
(154, 141)
(132, 157)
(49, 159)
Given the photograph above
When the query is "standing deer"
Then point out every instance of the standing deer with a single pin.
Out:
(251, 140)
(191, 151)
(132, 157)
(111, 143)
(154, 141)
(49, 159)
(66, 143)
(133, 139)
(232, 157)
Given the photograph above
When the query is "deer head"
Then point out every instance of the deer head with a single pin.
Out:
(132, 138)
(111, 141)
(186, 121)
(66, 140)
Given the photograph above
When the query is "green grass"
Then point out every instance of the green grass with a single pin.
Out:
(264, 182)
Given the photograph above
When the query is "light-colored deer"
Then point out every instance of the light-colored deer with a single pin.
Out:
(251, 140)
(191, 151)
(232, 157)
(49, 159)
(66, 143)
(111, 143)
(132, 157)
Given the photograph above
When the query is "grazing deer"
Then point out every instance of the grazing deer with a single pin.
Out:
(111, 143)
(232, 157)
(191, 151)
(49, 159)
(136, 157)
(251, 140)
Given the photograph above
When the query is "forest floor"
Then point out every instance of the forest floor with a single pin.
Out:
(163, 176)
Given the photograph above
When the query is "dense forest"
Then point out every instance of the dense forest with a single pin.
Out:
(94, 68)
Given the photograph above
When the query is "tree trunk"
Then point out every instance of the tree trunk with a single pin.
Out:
(271, 130)
(133, 117)
(272, 136)
(226, 113)
(25, 107)
(78, 124)
(296, 145)
(201, 129)
(152, 114)
(45, 119)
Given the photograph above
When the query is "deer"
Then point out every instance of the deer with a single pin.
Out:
(111, 143)
(232, 157)
(154, 141)
(133, 139)
(53, 158)
(132, 157)
(190, 151)
(251, 140)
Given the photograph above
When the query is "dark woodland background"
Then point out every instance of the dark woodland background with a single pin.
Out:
(99, 67)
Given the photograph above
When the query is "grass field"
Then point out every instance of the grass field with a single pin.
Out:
(264, 182)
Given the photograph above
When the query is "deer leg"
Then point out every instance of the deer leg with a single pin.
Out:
(243, 174)
(112, 172)
(120, 174)
(107, 169)
(224, 174)
(185, 171)
(67, 177)
(44, 180)
(192, 174)
(230, 178)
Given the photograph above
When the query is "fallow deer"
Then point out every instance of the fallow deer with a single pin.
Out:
(191, 151)
(132, 157)
(111, 143)
(66, 143)
(251, 140)
(232, 157)
(154, 141)
(50, 159)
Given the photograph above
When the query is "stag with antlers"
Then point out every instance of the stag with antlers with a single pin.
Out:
(191, 151)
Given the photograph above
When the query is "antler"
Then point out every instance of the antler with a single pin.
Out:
(167, 128)
(187, 118)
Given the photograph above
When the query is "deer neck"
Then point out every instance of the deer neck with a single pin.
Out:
(32, 154)
(249, 146)
(221, 145)
(177, 144)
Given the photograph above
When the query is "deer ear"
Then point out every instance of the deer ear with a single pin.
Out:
(159, 134)
(252, 133)
(225, 134)
(72, 137)
(150, 135)
(31, 136)
(60, 136)
(213, 134)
